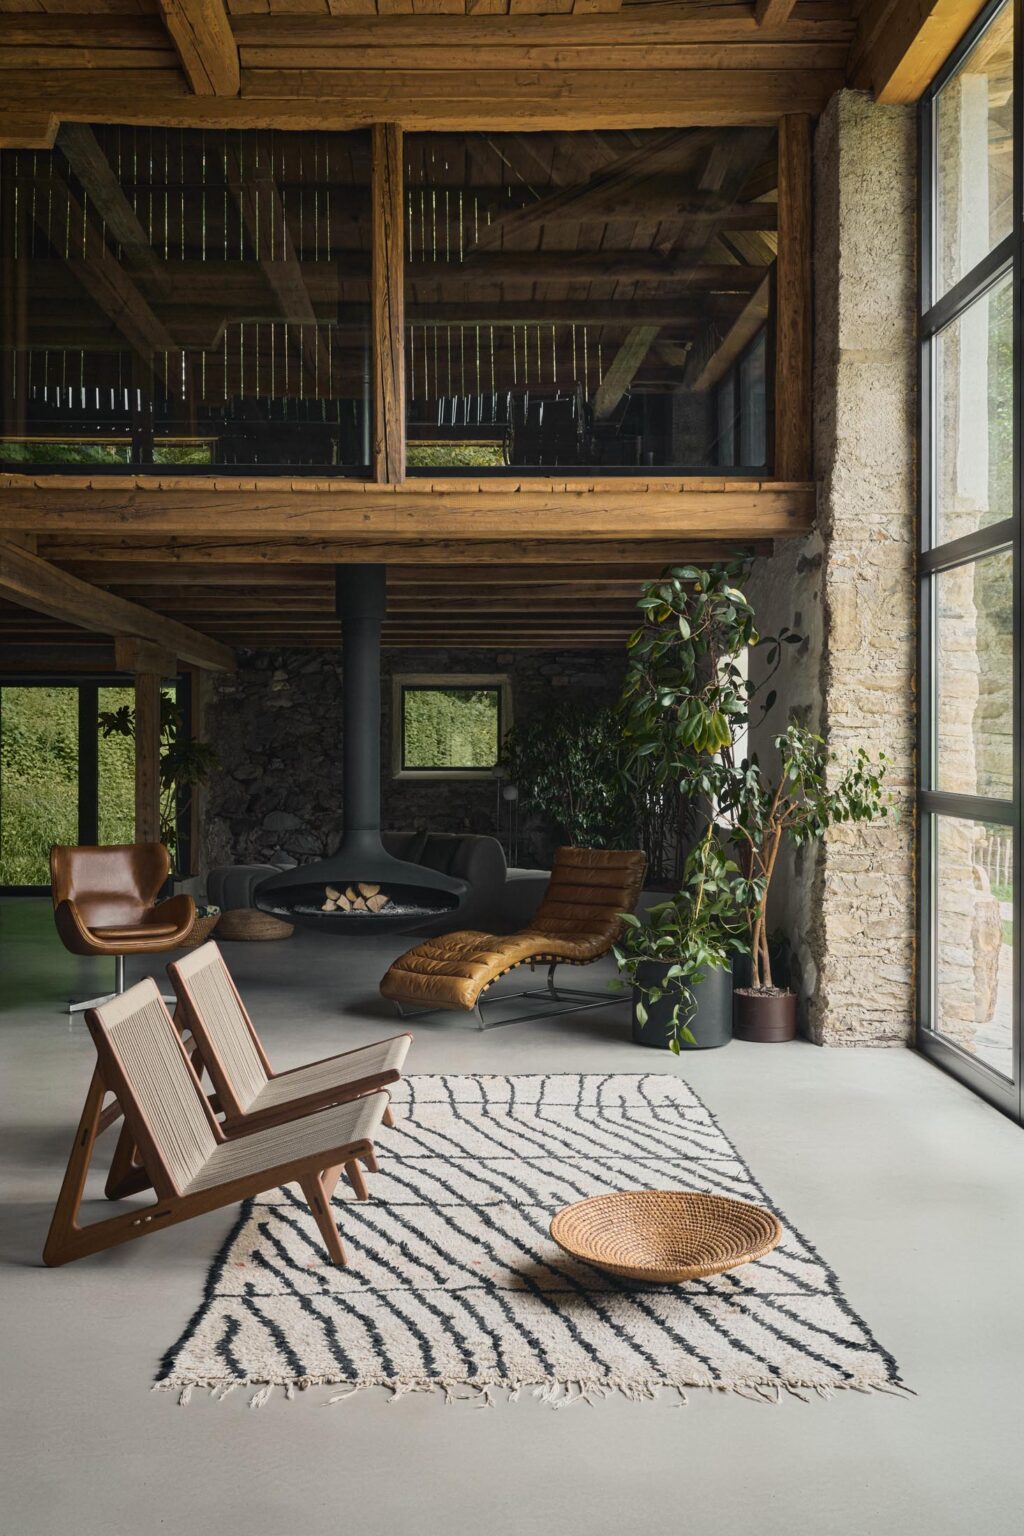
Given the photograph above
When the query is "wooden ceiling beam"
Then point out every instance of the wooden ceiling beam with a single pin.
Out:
(705, 374)
(902, 44)
(201, 33)
(773, 13)
(179, 560)
(37, 584)
(662, 25)
(81, 149)
(496, 512)
(430, 100)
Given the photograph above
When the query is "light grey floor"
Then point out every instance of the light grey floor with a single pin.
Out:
(912, 1189)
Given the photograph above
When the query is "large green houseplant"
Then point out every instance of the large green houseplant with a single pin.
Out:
(795, 802)
(689, 702)
(686, 699)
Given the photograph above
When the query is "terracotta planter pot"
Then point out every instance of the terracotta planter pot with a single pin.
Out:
(711, 1023)
(764, 1017)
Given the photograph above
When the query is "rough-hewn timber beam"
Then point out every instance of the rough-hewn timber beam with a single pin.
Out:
(902, 44)
(81, 149)
(432, 100)
(420, 511)
(387, 304)
(773, 13)
(705, 373)
(201, 32)
(110, 287)
(36, 584)
(622, 370)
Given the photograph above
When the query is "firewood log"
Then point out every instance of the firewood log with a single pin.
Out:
(368, 890)
(359, 905)
(375, 903)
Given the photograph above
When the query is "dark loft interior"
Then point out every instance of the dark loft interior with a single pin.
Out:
(573, 300)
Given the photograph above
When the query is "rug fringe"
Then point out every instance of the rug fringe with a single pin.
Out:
(555, 1394)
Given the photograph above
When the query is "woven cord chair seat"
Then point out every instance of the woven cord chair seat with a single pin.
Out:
(665, 1235)
(577, 922)
(248, 1156)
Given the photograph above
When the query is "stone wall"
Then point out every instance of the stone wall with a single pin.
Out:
(848, 907)
(277, 723)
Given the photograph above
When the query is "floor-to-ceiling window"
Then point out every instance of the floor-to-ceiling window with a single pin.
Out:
(63, 777)
(969, 1015)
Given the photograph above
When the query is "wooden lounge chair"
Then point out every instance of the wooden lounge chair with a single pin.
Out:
(577, 922)
(248, 1091)
(191, 1164)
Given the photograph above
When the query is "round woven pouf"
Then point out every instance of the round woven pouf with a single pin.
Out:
(665, 1235)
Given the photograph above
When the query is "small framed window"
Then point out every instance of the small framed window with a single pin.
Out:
(448, 727)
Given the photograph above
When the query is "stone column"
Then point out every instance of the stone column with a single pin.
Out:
(848, 906)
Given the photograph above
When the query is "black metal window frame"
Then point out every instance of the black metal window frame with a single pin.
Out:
(1006, 259)
(447, 769)
(88, 687)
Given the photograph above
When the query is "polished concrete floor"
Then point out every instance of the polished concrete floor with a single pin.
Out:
(912, 1189)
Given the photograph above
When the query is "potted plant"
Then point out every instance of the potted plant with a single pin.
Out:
(679, 956)
(185, 764)
(685, 700)
(795, 803)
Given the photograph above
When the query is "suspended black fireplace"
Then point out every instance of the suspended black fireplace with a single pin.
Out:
(360, 888)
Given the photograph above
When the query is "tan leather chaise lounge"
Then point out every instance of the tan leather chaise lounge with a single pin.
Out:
(577, 922)
(105, 903)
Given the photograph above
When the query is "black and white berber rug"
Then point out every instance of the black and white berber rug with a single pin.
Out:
(454, 1283)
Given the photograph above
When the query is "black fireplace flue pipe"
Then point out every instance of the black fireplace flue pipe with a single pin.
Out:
(361, 598)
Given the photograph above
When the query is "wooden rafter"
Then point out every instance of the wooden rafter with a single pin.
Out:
(201, 33)
(111, 288)
(35, 583)
(622, 370)
(902, 44)
(81, 149)
(773, 13)
(705, 373)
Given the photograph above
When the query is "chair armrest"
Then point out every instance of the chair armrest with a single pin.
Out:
(74, 934)
(179, 910)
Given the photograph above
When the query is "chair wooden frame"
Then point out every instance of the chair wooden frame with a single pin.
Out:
(316, 1172)
(237, 1118)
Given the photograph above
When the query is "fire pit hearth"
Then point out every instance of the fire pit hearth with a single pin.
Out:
(360, 889)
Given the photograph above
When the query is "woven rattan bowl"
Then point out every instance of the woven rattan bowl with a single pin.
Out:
(665, 1235)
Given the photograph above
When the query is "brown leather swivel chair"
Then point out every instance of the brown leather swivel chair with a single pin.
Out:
(105, 903)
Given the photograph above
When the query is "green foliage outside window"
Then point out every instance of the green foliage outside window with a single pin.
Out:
(38, 779)
(450, 727)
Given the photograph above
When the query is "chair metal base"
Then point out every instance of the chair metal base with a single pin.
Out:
(76, 1005)
(579, 1000)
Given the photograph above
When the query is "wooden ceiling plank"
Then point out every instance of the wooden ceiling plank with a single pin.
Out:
(201, 33)
(37, 584)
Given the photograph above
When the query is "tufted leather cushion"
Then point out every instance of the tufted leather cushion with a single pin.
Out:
(578, 921)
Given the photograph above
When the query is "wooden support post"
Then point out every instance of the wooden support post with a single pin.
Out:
(388, 306)
(147, 757)
(794, 303)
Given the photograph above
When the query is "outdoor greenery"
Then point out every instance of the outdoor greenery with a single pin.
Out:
(450, 727)
(52, 451)
(454, 455)
(185, 763)
(38, 779)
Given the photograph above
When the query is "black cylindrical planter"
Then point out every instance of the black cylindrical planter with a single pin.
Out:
(712, 1019)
